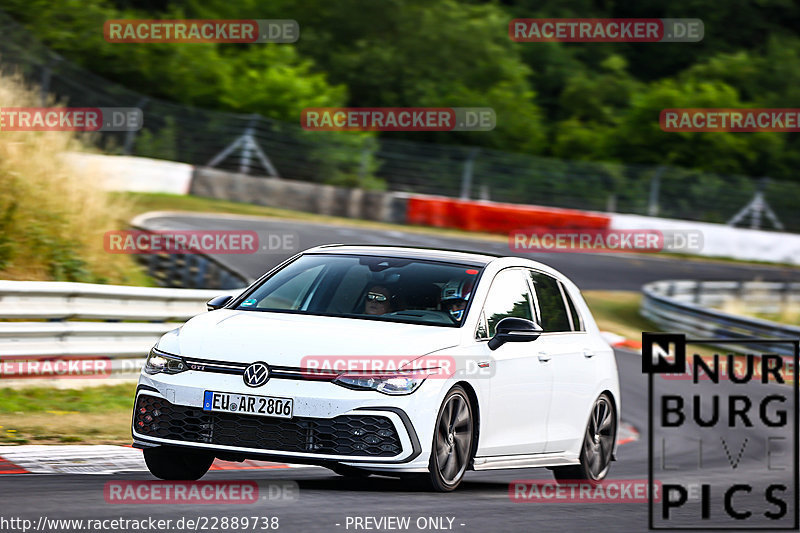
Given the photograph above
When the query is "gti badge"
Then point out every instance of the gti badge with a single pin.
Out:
(256, 374)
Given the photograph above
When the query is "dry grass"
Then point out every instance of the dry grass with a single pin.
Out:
(618, 312)
(41, 415)
(53, 217)
(786, 314)
(60, 427)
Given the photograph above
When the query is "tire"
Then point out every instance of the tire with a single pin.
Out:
(597, 446)
(171, 463)
(350, 471)
(452, 442)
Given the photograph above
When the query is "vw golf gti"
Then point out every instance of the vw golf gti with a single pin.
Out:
(398, 361)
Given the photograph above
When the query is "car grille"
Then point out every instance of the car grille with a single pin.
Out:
(352, 435)
(279, 372)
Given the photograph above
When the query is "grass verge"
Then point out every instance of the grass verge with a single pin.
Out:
(89, 415)
(618, 312)
(145, 202)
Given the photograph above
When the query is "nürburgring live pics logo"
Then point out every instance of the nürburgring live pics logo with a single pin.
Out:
(724, 441)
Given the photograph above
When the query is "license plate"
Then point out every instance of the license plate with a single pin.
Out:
(248, 405)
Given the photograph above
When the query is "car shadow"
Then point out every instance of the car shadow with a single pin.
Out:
(376, 483)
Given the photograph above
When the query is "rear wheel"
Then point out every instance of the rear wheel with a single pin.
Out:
(172, 463)
(598, 445)
(452, 442)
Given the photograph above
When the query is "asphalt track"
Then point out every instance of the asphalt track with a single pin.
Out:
(482, 503)
(589, 271)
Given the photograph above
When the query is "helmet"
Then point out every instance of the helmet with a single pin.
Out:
(455, 291)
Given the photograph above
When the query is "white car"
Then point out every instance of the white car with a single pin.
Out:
(400, 361)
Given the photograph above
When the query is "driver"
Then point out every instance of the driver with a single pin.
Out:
(378, 300)
(455, 295)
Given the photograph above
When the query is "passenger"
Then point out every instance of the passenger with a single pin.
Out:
(455, 295)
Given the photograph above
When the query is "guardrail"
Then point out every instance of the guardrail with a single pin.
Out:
(74, 331)
(686, 306)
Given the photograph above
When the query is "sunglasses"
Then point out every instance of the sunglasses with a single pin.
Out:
(376, 297)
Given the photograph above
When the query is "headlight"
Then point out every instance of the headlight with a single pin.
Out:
(388, 384)
(159, 361)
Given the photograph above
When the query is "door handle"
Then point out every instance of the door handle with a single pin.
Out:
(587, 353)
(544, 357)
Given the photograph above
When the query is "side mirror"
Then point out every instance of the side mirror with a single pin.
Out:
(512, 329)
(218, 302)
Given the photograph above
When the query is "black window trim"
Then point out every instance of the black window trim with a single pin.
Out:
(566, 304)
(563, 290)
(569, 301)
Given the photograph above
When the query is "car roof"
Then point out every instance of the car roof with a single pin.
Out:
(434, 254)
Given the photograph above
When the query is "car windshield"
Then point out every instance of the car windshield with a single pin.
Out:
(369, 287)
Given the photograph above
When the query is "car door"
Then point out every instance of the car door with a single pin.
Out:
(520, 387)
(570, 360)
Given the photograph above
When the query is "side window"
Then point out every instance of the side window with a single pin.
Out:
(508, 296)
(577, 323)
(551, 303)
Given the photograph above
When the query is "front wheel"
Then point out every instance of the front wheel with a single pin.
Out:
(172, 463)
(598, 445)
(452, 442)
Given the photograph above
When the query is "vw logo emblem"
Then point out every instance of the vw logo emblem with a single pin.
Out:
(256, 374)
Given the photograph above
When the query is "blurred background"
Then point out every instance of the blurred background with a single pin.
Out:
(576, 122)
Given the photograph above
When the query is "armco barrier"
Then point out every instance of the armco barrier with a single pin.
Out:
(155, 310)
(496, 217)
(682, 306)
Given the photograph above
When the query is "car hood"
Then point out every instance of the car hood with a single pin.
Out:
(284, 339)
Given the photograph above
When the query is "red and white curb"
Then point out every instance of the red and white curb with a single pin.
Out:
(618, 341)
(107, 459)
(627, 433)
(95, 459)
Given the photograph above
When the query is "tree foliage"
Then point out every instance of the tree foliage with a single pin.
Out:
(579, 101)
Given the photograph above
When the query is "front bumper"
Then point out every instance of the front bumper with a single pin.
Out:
(331, 424)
